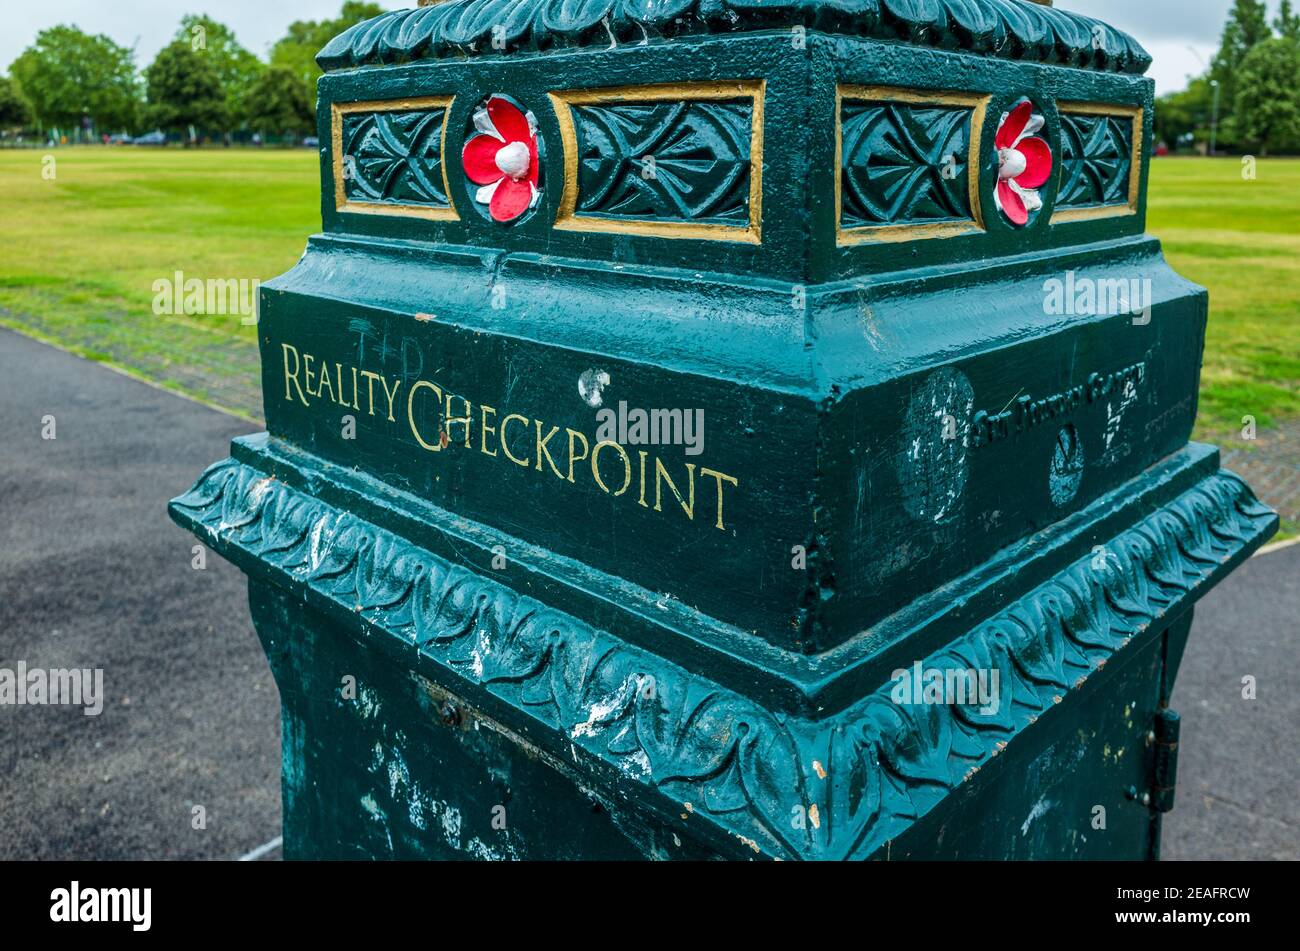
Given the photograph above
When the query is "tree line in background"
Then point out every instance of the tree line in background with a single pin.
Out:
(1249, 98)
(203, 83)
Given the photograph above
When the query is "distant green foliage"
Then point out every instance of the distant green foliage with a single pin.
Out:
(15, 113)
(297, 51)
(1258, 85)
(1268, 96)
(237, 69)
(184, 90)
(67, 75)
(1182, 112)
(277, 106)
(1287, 23)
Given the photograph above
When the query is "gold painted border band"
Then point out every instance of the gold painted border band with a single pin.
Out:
(978, 103)
(1136, 114)
(341, 201)
(567, 218)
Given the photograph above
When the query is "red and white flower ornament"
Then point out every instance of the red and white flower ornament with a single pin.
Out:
(1024, 163)
(502, 159)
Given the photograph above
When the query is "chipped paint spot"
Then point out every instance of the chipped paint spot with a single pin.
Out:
(257, 491)
(749, 842)
(814, 816)
(317, 531)
(398, 776)
(819, 769)
(591, 386)
(637, 765)
(368, 704)
(372, 808)
(451, 824)
(1065, 473)
(415, 812)
(604, 710)
(1038, 811)
(933, 465)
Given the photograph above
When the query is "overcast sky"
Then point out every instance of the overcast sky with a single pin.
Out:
(1180, 34)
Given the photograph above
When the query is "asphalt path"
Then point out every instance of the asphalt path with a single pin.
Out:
(183, 761)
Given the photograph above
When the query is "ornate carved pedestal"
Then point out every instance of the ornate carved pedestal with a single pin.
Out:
(736, 430)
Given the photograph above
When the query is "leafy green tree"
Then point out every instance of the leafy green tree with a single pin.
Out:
(184, 91)
(14, 111)
(305, 38)
(67, 75)
(1268, 97)
(1179, 113)
(236, 67)
(277, 106)
(1287, 23)
(1247, 26)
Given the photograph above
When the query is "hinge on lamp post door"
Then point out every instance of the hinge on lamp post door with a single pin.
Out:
(1166, 765)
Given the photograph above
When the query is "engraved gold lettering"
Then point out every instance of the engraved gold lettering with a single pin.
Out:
(324, 383)
(297, 366)
(543, 451)
(595, 466)
(484, 429)
(661, 476)
(463, 421)
(371, 376)
(410, 412)
(505, 440)
(586, 447)
(720, 477)
(393, 395)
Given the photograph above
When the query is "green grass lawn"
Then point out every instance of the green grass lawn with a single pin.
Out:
(1240, 239)
(84, 248)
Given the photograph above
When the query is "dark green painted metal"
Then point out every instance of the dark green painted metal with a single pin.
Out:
(905, 164)
(398, 157)
(701, 171)
(1006, 28)
(644, 671)
(1096, 157)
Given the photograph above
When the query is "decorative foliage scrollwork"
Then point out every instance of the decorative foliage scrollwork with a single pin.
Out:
(1010, 29)
(394, 157)
(665, 161)
(904, 163)
(838, 787)
(1096, 160)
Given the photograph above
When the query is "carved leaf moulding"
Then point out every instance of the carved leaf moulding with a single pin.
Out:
(783, 786)
(396, 157)
(905, 163)
(701, 160)
(1096, 159)
(685, 160)
(1008, 29)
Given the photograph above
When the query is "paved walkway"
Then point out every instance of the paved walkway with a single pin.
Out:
(92, 573)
